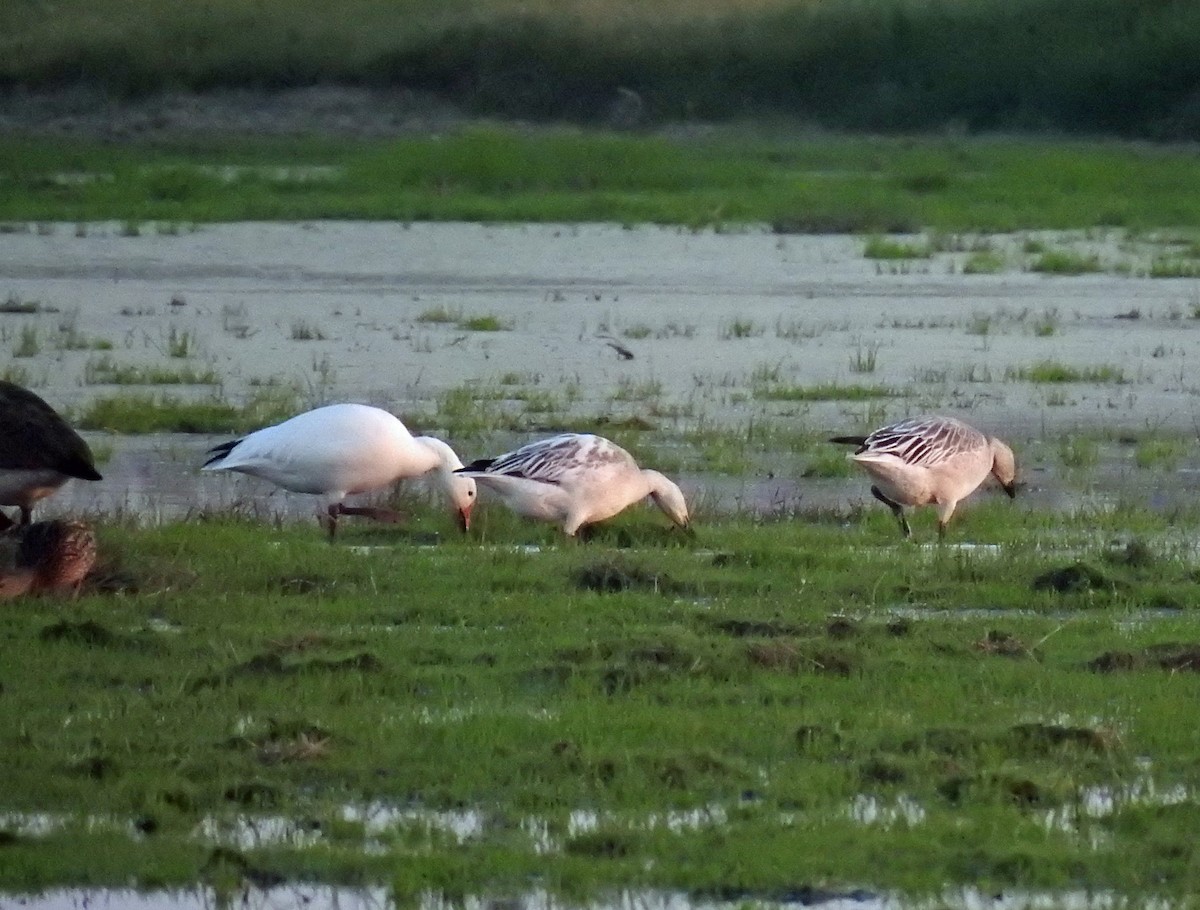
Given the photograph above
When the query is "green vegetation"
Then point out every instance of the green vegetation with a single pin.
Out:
(14, 373)
(643, 710)
(1066, 262)
(901, 65)
(828, 462)
(302, 330)
(824, 391)
(1047, 324)
(1053, 371)
(738, 328)
(179, 343)
(106, 371)
(1078, 452)
(637, 390)
(637, 332)
(807, 184)
(439, 315)
(14, 304)
(29, 344)
(983, 262)
(1165, 267)
(484, 322)
(128, 413)
(864, 358)
(1160, 452)
(886, 248)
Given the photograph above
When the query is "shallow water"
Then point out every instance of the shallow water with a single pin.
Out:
(813, 304)
(157, 478)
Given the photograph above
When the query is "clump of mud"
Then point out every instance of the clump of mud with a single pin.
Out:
(1133, 554)
(271, 663)
(1003, 644)
(613, 577)
(1074, 579)
(1173, 656)
(757, 628)
(789, 656)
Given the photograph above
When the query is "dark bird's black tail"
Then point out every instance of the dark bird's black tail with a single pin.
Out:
(848, 440)
(216, 453)
(479, 464)
(78, 466)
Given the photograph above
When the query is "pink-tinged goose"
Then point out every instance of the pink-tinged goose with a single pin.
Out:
(574, 480)
(931, 460)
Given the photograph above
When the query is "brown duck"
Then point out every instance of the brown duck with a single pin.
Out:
(51, 557)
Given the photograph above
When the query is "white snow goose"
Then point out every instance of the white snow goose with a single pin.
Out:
(574, 480)
(931, 460)
(39, 452)
(341, 449)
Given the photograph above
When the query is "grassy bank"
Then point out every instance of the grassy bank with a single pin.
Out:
(797, 184)
(759, 709)
(1077, 65)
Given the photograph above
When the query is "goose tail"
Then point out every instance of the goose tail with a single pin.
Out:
(217, 452)
(479, 464)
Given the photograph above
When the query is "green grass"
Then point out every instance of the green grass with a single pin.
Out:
(739, 328)
(29, 344)
(1168, 267)
(70, 339)
(1079, 452)
(886, 248)
(14, 304)
(1161, 452)
(983, 262)
(763, 676)
(486, 322)
(1052, 371)
(439, 315)
(137, 413)
(629, 389)
(1047, 324)
(497, 174)
(106, 371)
(302, 330)
(886, 65)
(483, 322)
(1066, 262)
(825, 391)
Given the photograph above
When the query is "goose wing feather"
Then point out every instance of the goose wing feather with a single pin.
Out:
(557, 460)
(923, 441)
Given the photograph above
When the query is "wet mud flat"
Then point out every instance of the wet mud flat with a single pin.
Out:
(562, 324)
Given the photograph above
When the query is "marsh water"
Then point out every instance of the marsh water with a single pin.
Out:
(157, 478)
(718, 328)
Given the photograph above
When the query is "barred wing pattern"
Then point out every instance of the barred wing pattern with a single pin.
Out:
(924, 441)
(555, 459)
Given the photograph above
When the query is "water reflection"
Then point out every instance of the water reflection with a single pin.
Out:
(376, 825)
(318, 897)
